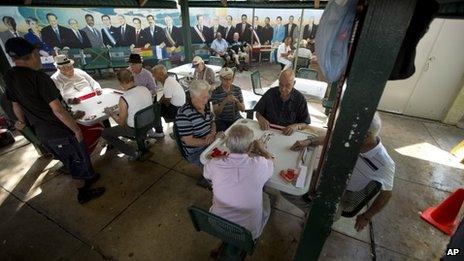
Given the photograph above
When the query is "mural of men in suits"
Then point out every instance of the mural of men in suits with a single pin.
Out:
(200, 32)
(154, 35)
(229, 30)
(77, 38)
(216, 27)
(92, 33)
(244, 30)
(34, 35)
(140, 40)
(126, 32)
(257, 31)
(55, 35)
(267, 32)
(279, 31)
(109, 33)
(172, 33)
(10, 24)
(290, 27)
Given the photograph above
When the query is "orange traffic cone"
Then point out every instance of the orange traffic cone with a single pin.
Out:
(445, 216)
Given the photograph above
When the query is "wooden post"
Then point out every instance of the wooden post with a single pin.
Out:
(383, 31)
(184, 10)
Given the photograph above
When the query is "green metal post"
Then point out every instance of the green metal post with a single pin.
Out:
(382, 33)
(184, 10)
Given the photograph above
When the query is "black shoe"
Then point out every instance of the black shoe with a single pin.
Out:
(204, 183)
(87, 194)
(109, 147)
(92, 180)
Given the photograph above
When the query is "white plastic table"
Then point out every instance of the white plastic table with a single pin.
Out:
(94, 106)
(279, 145)
(187, 70)
(309, 88)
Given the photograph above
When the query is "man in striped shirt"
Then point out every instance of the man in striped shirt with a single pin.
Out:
(195, 122)
(373, 164)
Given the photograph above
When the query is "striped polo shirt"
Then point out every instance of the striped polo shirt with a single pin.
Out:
(374, 164)
(230, 112)
(191, 122)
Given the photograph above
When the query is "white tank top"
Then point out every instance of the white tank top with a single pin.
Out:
(137, 98)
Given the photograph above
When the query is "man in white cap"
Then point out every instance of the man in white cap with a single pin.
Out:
(202, 72)
(72, 82)
(227, 100)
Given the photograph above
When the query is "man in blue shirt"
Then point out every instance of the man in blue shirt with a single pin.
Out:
(219, 47)
(279, 31)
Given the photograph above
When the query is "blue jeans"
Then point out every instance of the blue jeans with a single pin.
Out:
(195, 158)
(72, 154)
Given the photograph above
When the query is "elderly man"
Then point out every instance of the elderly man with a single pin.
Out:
(227, 100)
(285, 53)
(173, 94)
(238, 181)
(202, 72)
(219, 47)
(142, 76)
(283, 106)
(134, 99)
(239, 50)
(195, 122)
(35, 97)
(72, 82)
(373, 163)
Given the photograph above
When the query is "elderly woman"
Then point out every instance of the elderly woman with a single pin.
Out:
(194, 122)
(238, 181)
(227, 100)
(202, 72)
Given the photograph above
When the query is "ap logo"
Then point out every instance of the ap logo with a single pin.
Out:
(452, 252)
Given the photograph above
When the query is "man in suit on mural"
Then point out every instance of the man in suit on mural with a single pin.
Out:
(92, 33)
(200, 32)
(257, 31)
(267, 32)
(109, 32)
(216, 27)
(229, 29)
(55, 35)
(126, 32)
(11, 31)
(77, 38)
(140, 37)
(154, 35)
(244, 30)
(172, 33)
(290, 27)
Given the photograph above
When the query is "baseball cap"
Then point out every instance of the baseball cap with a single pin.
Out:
(18, 47)
(196, 60)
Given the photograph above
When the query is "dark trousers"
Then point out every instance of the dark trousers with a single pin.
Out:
(72, 154)
(222, 125)
(168, 113)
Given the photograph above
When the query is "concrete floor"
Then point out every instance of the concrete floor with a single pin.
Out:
(143, 214)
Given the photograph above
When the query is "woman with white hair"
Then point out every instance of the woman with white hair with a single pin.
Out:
(195, 122)
(227, 100)
(373, 163)
(238, 181)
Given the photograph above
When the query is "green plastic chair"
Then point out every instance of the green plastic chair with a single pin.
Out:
(119, 57)
(306, 73)
(214, 60)
(166, 62)
(361, 198)
(144, 120)
(302, 63)
(237, 241)
(175, 136)
(76, 54)
(96, 58)
(256, 83)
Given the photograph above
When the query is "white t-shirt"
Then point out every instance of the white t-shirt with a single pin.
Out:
(376, 165)
(172, 90)
(79, 84)
(283, 49)
(137, 98)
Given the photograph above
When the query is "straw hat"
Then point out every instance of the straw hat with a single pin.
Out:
(62, 60)
(197, 60)
(226, 72)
